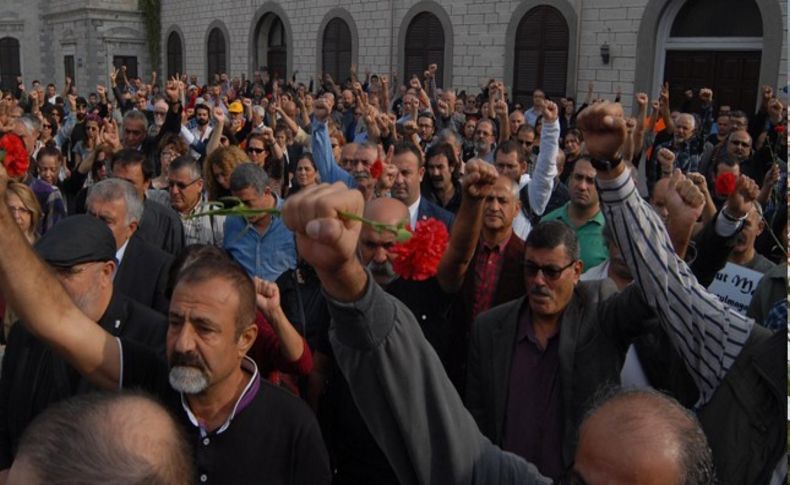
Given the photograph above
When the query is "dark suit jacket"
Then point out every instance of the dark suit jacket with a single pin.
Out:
(161, 227)
(144, 274)
(596, 329)
(428, 209)
(34, 377)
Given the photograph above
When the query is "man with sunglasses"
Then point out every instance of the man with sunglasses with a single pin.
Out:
(185, 186)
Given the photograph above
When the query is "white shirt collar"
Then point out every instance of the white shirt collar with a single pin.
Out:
(119, 255)
(413, 210)
(247, 364)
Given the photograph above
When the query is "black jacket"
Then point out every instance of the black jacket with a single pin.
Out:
(143, 275)
(161, 227)
(34, 377)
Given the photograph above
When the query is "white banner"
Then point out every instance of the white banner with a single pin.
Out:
(735, 285)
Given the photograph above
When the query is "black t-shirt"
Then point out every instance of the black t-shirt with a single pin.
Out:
(274, 439)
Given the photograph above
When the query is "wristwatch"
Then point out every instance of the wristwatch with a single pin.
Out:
(606, 165)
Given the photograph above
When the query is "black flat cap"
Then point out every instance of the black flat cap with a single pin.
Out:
(77, 239)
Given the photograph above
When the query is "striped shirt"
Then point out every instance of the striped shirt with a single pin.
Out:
(707, 334)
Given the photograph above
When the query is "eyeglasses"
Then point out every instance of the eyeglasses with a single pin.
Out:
(550, 271)
(527, 143)
(257, 151)
(181, 185)
(49, 127)
(160, 113)
(19, 210)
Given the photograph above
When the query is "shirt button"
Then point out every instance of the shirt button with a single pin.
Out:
(203, 478)
(206, 441)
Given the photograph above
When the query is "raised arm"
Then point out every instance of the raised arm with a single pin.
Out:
(325, 162)
(707, 333)
(545, 173)
(395, 377)
(47, 311)
(478, 181)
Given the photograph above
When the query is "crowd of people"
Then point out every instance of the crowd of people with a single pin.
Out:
(568, 334)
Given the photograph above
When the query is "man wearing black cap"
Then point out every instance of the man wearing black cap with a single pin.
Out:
(80, 251)
(243, 429)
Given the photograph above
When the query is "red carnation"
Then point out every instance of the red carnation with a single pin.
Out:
(376, 169)
(779, 129)
(418, 258)
(14, 155)
(725, 183)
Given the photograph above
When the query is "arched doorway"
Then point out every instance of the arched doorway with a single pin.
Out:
(424, 46)
(336, 49)
(715, 44)
(540, 54)
(271, 46)
(10, 66)
(175, 54)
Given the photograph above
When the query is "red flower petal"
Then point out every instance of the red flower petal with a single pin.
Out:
(779, 128)
(725, 183)
(15, 157)
(376, 169)
(418, 258)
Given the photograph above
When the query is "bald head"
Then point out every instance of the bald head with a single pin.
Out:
(375, 247)
(103, 438)
(386, 211)
(642, 436)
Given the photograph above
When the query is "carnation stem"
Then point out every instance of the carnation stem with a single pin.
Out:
(240, 210)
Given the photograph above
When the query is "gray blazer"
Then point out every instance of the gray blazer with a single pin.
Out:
(595, 332)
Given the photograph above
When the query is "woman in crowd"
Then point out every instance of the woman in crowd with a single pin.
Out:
(83, 148)
(171, 147)
(49, 127)
(218, 167)
(26, 210)
(573, 150)
(306, 173)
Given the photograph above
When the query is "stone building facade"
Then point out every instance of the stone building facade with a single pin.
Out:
(727, 43)
(79, 38)
(733, 46)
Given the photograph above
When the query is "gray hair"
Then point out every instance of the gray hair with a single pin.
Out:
(447, 133)
(137, 116)
(32, 124)
(188, 163)
(249, 175)
(114, 189)
(258, 110)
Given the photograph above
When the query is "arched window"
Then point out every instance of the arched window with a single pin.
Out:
(714, 44)
(175, 55)
(217, 54)
(424, 46)
(540, 54)
(336, 49)
(10, 67)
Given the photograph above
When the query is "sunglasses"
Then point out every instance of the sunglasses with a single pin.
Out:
(550, 271)
(256, 151)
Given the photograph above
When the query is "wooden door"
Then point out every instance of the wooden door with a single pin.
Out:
(732, 75)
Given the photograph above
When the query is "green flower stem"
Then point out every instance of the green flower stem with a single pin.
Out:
(240, 210)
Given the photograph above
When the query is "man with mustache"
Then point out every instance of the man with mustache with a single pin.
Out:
(357, 457)
(243, 429)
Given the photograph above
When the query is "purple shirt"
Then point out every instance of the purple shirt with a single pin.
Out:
(533, 419)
